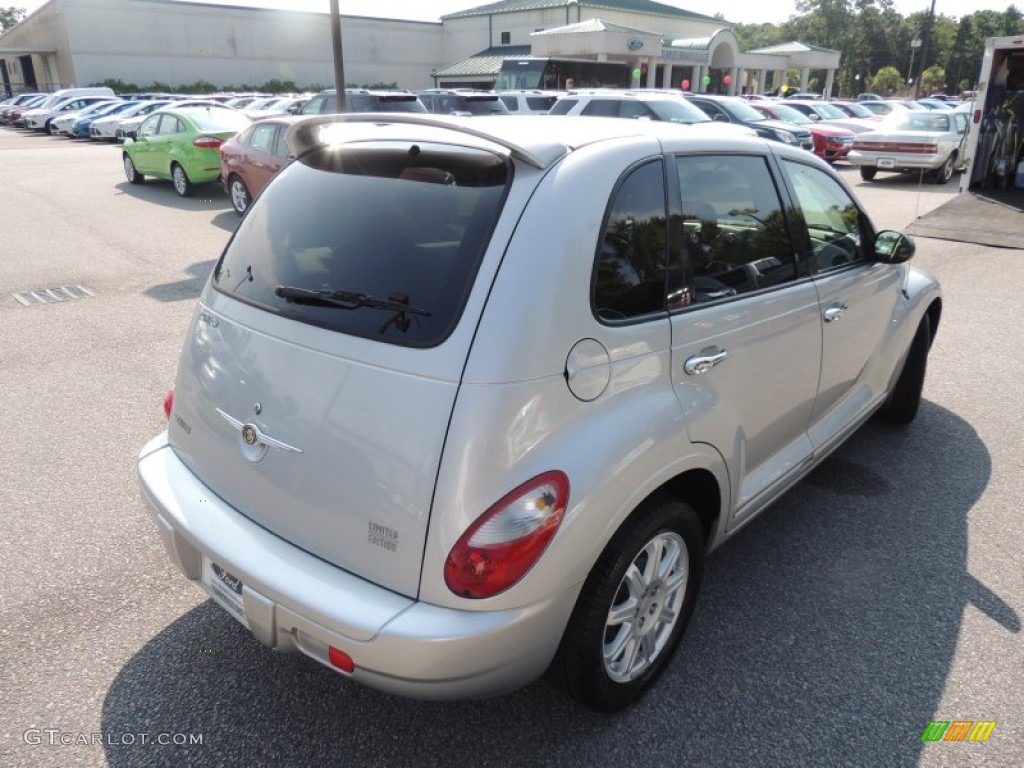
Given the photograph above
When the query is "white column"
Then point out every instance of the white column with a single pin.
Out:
(735, 84)
(805, 75)
(829, 82)
(651, 81)
(666, 75)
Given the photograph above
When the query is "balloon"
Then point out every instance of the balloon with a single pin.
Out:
(685, 85)
(727, 79)
(784, 88)
(636, 74)
(706, 80)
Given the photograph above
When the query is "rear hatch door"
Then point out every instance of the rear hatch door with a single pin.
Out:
(322, 365)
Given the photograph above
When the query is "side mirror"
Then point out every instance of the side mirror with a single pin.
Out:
(720, 119)
(892, 247)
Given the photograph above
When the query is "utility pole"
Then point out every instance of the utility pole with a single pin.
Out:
(339, 62)
(914, 45)
(927, 35)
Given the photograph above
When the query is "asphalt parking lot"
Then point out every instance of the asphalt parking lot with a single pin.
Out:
(884, 592)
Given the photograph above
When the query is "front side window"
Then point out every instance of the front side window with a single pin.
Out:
(734, 232)
(632, 256)
(834, 222)
(380, 240)
(169, 125)
(148, 128)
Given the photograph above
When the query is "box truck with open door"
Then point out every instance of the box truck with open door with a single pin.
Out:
(996, 138)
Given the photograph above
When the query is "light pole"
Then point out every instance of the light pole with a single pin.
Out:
(928, 23)
(339, 62)
(914, 45)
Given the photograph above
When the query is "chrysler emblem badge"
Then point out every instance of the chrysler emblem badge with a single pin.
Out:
(249, 434)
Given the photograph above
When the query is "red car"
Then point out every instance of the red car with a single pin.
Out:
(250, 159)
(830, 142)
(16, 116)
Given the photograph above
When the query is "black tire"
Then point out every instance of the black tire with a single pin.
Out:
(903, 402)
(868, 173)
(239, 194)
(129, 170)
(945, 173)
(581, 666)
(179, 179)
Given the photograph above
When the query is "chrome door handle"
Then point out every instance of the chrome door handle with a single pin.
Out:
(834, 312)
(705, 361)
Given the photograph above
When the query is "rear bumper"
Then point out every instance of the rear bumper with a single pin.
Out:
(900, 161)
(296, 602)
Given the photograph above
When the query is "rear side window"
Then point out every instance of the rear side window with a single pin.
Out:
(263, 137)
(631, 261)
(563, 106)
(397, 224)
(540, 103)
(602, 108)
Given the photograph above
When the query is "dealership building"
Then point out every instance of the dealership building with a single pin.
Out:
(82, 42)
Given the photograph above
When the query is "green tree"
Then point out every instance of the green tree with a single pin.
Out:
(932, 79)
(10, 16)
(887, 80)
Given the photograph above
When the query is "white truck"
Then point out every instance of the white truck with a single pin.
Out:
(995, 147)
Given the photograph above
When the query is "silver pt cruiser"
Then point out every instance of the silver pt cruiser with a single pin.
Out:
(468, 399)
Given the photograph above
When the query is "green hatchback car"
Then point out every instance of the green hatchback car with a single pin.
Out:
(181, 145)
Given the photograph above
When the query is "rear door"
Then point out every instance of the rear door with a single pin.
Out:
(746, 338)
(262, 162)
(857, 299)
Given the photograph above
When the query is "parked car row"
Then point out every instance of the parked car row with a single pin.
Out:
(201, 140)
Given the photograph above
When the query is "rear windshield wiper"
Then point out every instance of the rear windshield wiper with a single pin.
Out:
(396, 302)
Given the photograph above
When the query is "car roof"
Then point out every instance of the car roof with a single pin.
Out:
(644, 94)
(539, 140)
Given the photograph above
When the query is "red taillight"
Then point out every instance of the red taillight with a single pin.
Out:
(341, 660)
(207, 142)
(507, 540)
(168, 403)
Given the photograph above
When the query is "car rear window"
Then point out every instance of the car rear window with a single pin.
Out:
(485, 105)
(219, 119)
(391, 102)
(402, 222)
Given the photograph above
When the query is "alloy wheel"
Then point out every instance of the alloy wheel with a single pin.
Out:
(646, 607)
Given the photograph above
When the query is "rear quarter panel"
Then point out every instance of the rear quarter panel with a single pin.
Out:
(515, 416)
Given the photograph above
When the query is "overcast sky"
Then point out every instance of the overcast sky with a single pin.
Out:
(737, 11)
